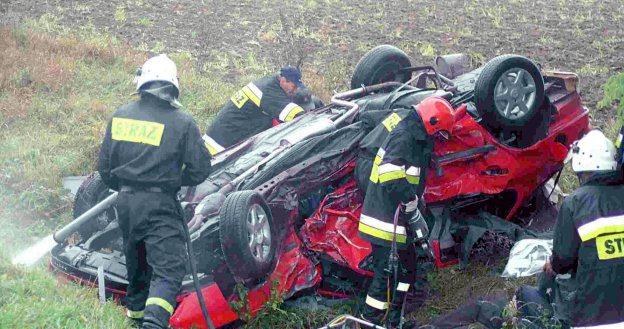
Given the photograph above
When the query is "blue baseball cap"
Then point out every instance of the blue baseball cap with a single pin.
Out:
(292, 74)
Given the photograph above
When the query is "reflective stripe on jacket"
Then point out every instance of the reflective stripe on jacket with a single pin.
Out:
(397, 176)
(252, 110)
(589, 243)
(150, 143)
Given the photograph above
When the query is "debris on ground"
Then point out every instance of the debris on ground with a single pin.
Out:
(527, 257)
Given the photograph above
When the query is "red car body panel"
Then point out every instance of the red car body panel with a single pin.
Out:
(505, 168)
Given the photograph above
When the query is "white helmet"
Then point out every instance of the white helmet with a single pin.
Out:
(157, 68)
(593, 152)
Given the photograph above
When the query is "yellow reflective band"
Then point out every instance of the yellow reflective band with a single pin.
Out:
(391, 175)
(293, 113)
(239, 98)
(379, 234)
(212, 146)
(257, 93)
(250, 94)
(379, 224)
(160, 302)
(601, 226)
(289, 112)
(610, 246)
(134, 314)
(374, 303)
(374, 176)
(618, 141)
(414, 180)
(391, 121)
(211, 149)
(404, 287)
(137, 131)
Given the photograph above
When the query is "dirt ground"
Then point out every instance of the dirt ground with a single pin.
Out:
(584, 36)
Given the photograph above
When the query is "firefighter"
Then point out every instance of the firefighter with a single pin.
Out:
(589, 240)
(150, 149)
(396, 178)
(254, 108)
(369, 145)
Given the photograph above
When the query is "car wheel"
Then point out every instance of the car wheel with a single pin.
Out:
(381, 64)
(91, 192)
(509, 91)
(247, 235)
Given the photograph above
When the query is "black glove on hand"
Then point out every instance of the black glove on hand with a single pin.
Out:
(418, 227)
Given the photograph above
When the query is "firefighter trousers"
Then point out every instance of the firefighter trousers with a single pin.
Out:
(154, 246)
(385, 296)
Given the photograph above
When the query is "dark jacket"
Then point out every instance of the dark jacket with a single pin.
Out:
(378, 124)
(397, 176)
(589, 243)
(149, 143)
(250, 111)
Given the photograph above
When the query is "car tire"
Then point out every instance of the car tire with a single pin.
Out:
(381, 64)
(509, 92)
(247, 235)
(92, 191)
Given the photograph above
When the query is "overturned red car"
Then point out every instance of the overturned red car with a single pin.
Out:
(281, 208)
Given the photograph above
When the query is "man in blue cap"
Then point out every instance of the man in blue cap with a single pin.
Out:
(255, 108)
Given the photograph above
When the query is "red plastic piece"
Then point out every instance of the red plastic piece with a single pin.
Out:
(437, 253)
(188, 313)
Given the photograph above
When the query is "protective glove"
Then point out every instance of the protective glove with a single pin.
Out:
(418, 227)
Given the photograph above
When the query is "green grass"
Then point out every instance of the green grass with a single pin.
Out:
(614, 96)
(32, 298)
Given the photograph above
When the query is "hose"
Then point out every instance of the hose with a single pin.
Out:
(200, 296)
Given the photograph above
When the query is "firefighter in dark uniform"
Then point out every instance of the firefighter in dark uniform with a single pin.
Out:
(589, 236)
(370, 144)
(151, 149)
(255, 108)
(396, 178)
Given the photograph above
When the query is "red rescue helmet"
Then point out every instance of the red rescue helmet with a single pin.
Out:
(437, 115)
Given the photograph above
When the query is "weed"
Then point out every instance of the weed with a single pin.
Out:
(590, 69)
(144, 21)
(120, 14)
(427, 50)
(158, 47)
(274, 314)
(614, 95)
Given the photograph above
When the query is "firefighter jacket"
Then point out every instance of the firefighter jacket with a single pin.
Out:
(397, 176)
(149, 143)
(250, 111)
(373, 140)
(378, 123)
(589, 243)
